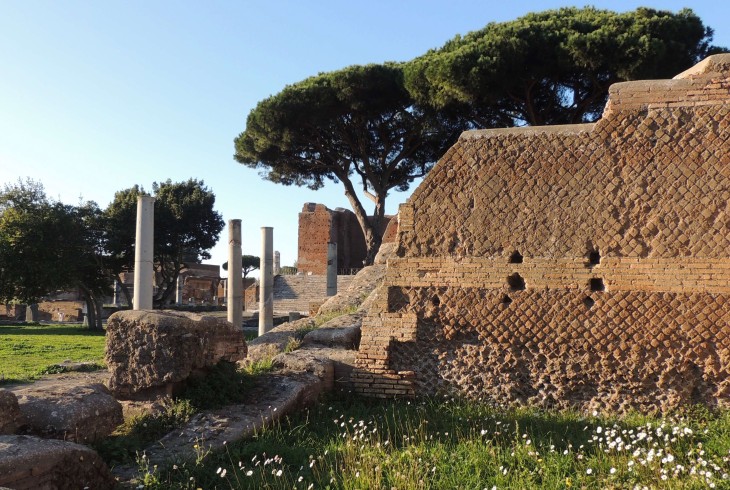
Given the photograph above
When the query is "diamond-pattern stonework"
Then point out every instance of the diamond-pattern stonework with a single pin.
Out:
(619, 298)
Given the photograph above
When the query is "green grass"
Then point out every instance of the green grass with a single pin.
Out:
(141, 430)
(360, 443)
(27, 351)
(320, 320)
(223, 385)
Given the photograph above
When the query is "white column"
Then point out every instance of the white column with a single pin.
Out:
(277, 263)
(144, 253)
(235, 272)
(331, 269)
(266, 286)
(179, 292)
(115, 299)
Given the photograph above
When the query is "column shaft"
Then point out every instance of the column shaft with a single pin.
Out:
(331, 269)
(235, 273)
(144, 253)
(266, 287)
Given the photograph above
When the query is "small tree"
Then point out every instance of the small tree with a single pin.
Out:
(46, 246)
(249, 263)
(119, 221)
(89, 261)
(32, 233)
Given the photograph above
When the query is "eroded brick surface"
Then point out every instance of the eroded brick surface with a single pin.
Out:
(584, 265)
(319, 225)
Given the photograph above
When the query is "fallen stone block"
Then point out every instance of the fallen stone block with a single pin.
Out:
(11, 419)
(276, 340)
(28, 462)
(385, 252)
(347, 337)
(356, 293)
(148, 353)
(332, 366)
(308, 361)
(85, 413)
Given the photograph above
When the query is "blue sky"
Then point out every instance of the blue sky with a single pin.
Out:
(98, 96)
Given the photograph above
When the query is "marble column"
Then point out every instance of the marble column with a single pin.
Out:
(277, 263)
(235, 272)
(115, 298)
(144, 253)
(179, 291)
(331, 269)
(266, 286)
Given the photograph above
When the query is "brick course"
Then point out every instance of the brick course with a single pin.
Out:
(584, 265)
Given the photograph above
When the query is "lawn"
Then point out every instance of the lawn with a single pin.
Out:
(27, 351)
(349, 442)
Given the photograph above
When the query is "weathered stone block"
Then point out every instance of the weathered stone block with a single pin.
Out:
(345, 337)
(148, 352)
(32, 463)
(82, 414)
(10, 416)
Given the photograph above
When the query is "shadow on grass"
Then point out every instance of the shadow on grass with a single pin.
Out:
(12, 382)
(48, 330)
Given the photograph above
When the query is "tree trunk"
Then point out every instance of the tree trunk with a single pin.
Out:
(90, 309)
(373, 236)
(377, 236)
(99, 303)
(93, 309)
(167, 288)
(125, 291)
(163, 297)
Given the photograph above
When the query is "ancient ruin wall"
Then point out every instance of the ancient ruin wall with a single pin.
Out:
(584, 265)
(319, 225)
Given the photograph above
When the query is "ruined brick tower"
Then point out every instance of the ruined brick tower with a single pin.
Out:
(584, 265)
(319, 225)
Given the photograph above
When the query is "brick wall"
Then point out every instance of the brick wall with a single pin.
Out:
(391, 231)
(584, 266)
(51, 311)
(319, 225)
(250, 292)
